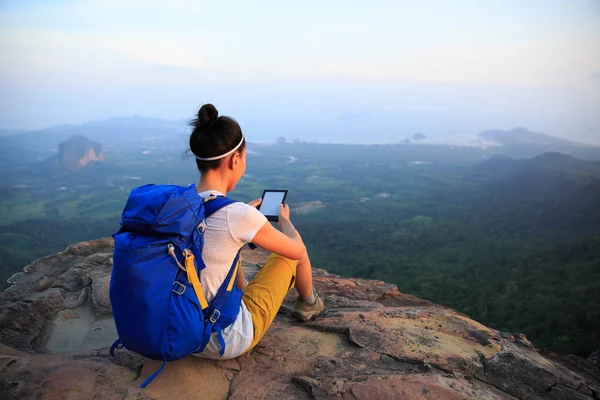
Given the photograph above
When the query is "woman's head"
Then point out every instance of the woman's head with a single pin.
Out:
(218, 143)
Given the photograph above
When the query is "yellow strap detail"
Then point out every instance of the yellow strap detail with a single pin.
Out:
(232, 280)
(190, 268)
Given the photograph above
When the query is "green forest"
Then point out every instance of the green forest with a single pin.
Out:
(513, 243)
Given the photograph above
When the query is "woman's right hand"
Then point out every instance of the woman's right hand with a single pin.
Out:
(284, 212)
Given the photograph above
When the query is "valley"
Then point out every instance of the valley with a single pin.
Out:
(508, 234)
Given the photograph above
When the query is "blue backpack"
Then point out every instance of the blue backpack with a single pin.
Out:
(158, 304)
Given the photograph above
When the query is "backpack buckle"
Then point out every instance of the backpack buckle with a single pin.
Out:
(215, 316)
(211, 196)
(178, 288)
(201, 227)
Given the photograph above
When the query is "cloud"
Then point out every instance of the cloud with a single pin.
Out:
(47, 55)
(116, 41)
(595, 75)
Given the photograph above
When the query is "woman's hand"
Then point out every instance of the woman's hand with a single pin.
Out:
(284, 212)
(255, 203)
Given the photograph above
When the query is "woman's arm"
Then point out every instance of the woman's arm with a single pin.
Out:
(288, 242)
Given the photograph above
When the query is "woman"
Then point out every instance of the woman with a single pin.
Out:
(220, 151)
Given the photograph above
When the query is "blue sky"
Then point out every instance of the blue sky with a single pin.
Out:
(447, 68)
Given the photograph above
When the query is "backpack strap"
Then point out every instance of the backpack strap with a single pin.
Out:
(214, 204)
(155, 374)
(212, 311)
(192, 275)
(116, 345)
(211, 206)
(222, 303)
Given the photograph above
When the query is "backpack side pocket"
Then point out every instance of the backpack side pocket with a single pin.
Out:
(140, 293)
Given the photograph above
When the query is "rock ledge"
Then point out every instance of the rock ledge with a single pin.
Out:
(373, 343)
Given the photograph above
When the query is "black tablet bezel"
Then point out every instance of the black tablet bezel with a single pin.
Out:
(274, 218)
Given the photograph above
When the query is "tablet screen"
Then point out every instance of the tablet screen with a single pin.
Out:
(271, 201)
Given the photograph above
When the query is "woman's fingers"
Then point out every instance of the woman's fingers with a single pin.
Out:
(255, 203)
(284, 211)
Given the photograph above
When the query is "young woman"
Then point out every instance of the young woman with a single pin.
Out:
(220, 151)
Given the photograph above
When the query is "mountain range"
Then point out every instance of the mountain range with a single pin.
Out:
(138, 132)
(522, 142)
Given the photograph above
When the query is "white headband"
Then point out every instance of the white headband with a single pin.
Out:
(222, 155)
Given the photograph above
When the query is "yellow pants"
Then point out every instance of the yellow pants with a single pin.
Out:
(265, 293)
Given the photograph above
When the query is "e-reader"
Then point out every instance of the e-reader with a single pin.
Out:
(271, 199)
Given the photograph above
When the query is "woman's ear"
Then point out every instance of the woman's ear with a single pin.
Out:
(234, 160)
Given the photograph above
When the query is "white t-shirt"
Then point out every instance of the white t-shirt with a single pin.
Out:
(227, 231)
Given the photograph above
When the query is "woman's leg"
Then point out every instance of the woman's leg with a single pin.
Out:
(265, 293)
(304, 283)
(309, 305)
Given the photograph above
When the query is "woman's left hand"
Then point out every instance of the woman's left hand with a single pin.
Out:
(255, 203)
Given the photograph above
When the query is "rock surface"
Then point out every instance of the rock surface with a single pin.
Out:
(373, 343)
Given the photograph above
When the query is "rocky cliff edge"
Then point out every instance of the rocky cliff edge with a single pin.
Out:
(373, 343)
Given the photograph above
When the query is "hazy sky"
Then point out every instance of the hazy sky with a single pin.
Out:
(445, 68)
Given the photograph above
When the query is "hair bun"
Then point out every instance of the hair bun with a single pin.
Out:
(207, 114)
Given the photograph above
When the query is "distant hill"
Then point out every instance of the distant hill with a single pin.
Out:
(75, 153)
(550, 190)
(10, 132)
(139, 134)
(131, 131)
(555, 161)
(521, 142)
(525, 136)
